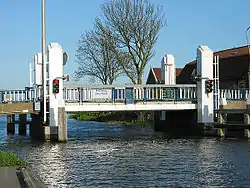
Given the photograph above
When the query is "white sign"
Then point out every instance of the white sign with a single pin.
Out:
(37, 106)
(101, 93)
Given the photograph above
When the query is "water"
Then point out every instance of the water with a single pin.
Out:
(99, 155)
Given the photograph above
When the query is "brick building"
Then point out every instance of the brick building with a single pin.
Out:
(234, 70)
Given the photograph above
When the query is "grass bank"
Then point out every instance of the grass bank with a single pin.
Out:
(11, 160)
(122, 118)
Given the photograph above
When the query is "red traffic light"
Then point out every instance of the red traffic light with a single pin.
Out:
(56, 81)
(210, 82)
(55, 86)
(209, 86)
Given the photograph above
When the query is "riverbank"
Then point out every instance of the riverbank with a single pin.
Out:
(16, 173)
(11, 160)
(122, 118)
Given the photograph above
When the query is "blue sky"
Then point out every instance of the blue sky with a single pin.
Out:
(219, 24)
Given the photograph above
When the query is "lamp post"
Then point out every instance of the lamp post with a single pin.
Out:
(44, 77)
(247, 40)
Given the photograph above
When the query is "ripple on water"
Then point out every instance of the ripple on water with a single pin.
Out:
(99, 155)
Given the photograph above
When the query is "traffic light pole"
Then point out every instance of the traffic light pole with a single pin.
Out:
(44, 63)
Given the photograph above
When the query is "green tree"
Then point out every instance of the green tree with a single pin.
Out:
(135, 25)
(95, 56)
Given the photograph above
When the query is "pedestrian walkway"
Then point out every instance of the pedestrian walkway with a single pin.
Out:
(9, 177)
(16, 177)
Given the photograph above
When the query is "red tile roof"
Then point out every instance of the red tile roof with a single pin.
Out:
(178, 71)
(233, 52)
(157, 72)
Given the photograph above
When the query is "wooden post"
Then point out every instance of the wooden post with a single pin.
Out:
(11, 124)
(22, 124)
(62, 125)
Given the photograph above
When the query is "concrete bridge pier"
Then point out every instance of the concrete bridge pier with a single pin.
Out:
(36, 128)
(22, 124)
(11, 124)
(39, 131)
(54, 130)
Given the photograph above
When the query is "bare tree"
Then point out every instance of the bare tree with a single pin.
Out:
(135, 24)
(95, 56)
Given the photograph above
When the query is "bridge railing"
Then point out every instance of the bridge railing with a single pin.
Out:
(234, 94)
(130, 94)
(121, 93)
(25, 95)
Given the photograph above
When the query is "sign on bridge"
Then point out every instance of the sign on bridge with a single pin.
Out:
(101, 94)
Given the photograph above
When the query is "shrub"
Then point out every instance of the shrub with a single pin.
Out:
(9, 159)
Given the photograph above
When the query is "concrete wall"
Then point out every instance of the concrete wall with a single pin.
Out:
(234, 105)
(12, 108)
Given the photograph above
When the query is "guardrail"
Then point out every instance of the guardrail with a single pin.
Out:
(18, 96)
(114, 93)
(121, 93)
(234, 94)
(130, 94)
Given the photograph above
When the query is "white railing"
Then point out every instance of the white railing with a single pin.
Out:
(121, 93)
(130, 93)
(114, 93)
(26, 95)
(234, 94)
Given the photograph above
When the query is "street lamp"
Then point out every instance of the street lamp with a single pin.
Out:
(44, 77)
(247, 40)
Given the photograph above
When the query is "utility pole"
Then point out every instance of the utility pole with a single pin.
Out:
(44, 77)
(248, 40)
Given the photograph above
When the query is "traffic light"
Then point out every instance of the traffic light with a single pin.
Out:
(55, 86)
(209, 86)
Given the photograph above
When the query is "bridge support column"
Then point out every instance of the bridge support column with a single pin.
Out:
(36, 129)
(22, 124)
(39, 131)
(205, 100)
(62, 125)
(11, 124)
(57, 119)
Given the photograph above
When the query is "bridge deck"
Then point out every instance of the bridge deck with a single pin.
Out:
(16, 108)
(139, 106)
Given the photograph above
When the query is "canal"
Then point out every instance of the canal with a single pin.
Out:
(100, 155)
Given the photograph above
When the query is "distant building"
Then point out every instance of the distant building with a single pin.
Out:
(234, 70)
(154, 76)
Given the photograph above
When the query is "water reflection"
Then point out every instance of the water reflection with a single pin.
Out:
(99, 155)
